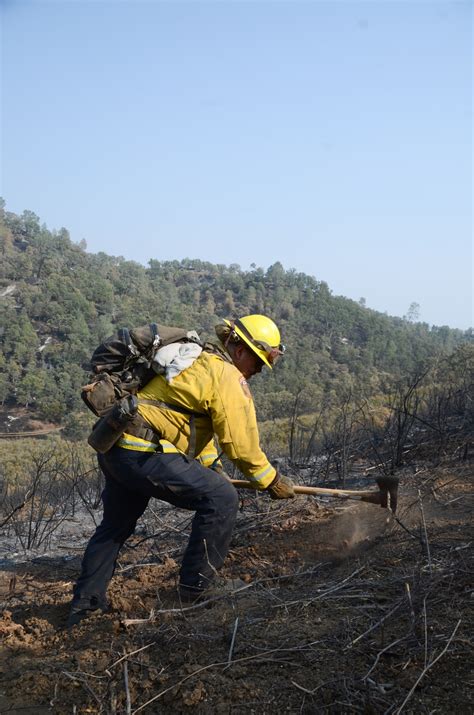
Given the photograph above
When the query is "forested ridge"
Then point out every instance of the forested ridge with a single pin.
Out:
(58, 302)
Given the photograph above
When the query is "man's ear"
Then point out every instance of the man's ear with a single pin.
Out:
(239, 350)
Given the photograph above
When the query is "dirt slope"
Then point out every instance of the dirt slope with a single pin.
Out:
(345, 612)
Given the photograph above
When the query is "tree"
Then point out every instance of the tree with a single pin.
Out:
(413, 313)
(229, 303)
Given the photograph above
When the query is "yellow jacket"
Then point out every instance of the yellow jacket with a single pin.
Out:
(217, 395)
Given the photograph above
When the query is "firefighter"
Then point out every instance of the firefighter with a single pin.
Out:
(171, 456)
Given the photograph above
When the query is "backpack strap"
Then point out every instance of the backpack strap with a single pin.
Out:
(156, 336)
(192, 437)
(140, 428)
(183, 411)
(169, 406)
(124, 337)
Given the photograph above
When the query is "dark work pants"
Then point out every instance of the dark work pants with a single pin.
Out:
(131, 478)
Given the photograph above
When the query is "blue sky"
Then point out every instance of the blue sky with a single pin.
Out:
(334, 137)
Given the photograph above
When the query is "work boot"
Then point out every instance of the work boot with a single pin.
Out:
(217, 587)
(80, 610)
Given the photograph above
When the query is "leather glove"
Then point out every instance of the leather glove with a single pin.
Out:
(281, 488)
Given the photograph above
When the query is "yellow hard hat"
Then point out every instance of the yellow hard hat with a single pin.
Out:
(260, 334)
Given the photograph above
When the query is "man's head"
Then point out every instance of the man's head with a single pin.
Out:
(251, 341)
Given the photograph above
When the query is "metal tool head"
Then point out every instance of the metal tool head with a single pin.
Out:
(388, 492)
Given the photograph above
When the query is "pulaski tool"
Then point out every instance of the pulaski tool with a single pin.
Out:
(385, 496)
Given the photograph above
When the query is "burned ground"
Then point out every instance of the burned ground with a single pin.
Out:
(346, 610)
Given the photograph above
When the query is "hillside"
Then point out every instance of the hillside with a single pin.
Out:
(348, 608)
(58, 302)
(345, 611)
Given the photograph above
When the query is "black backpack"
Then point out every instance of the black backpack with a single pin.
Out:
(122, 364)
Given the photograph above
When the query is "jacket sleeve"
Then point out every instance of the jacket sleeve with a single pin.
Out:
(209, 456)
(235, 424)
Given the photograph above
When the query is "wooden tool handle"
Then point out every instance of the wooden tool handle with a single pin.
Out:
(371, 496)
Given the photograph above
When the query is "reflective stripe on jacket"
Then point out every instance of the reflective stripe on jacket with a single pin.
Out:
(216, 393)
